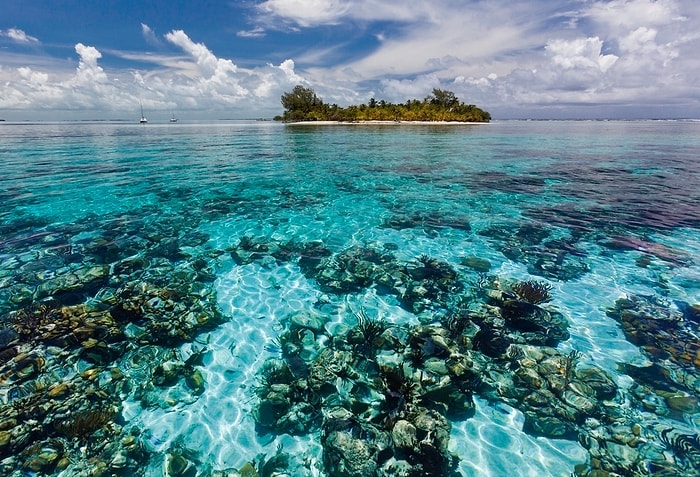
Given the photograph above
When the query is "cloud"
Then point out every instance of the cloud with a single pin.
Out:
(306, 12)
(539, 54)
(18, 36)
(629, 14)
(256, 32)
(581, 53)
(445, 37)
(216, 77)
(518, 57)
(207, 63)
(149, 35)
(311, 13)
(196, 81)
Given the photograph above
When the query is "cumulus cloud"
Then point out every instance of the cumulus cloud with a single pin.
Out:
(397, 90)
(207, 63)
(88, 69)
(33, 77)
(642, 45)
(18, 36)
(197, 81)
(581, 53)
(216, 76)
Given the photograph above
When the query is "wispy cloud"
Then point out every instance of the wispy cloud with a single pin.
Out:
(307, 13)
(256, 32)
(150, 36)
(537, 53)
(18, 36)
(623, 15)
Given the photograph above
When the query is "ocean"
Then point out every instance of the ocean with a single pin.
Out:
(250, 298)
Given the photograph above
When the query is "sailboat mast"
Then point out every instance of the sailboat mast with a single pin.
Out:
(143, 119)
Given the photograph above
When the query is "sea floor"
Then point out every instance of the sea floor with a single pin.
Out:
(258, 299)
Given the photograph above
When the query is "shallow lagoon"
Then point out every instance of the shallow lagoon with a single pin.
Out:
(181, 252)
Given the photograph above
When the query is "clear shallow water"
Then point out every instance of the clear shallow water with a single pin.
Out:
(617, 202)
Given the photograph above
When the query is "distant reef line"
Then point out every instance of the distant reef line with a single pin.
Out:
(302, 105)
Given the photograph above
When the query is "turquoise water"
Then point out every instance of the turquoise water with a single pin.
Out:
(598, 211)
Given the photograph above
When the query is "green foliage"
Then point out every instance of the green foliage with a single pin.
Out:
(302, 104)
(446, 99)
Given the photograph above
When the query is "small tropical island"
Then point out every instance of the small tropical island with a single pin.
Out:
(303, 105)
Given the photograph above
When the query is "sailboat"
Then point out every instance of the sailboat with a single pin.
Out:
(173, 119)
(143, 119)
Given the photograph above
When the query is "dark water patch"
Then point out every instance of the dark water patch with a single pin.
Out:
(23, 230)
(658, 200)
(504, 182)
(426, 220)
(558, 258)
(649, 247)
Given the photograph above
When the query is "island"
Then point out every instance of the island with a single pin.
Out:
(303, 105)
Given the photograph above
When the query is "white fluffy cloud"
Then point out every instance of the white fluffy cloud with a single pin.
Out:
(581, 53)
(18, 36)
(197, 81)
(89, 72)
(207, 63)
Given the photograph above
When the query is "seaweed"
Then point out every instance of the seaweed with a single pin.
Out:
(83, 425)
(533, 292)
(683, 445)
(399, 393)
(370, 329)
(278, 464)
(274, 371)
(570, 363)
(456, 322)
(432, 269)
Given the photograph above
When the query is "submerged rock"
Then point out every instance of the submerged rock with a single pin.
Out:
(347, 456)
(477, 264)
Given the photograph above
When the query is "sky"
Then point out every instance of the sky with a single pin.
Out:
(528, 59)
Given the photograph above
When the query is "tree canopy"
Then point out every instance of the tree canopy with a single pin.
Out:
(301, 101)
(302, 104)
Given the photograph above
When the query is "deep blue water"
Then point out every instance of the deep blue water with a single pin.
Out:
(598, 211)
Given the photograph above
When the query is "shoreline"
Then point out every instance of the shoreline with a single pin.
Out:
(326, 123)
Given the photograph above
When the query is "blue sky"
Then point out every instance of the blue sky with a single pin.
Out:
(234, 59)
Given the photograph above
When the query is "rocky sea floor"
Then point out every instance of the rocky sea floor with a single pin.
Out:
(224, 338)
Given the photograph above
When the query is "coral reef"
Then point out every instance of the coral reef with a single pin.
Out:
(90, 322)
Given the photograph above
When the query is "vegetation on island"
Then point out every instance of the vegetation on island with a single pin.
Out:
(302, 104)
